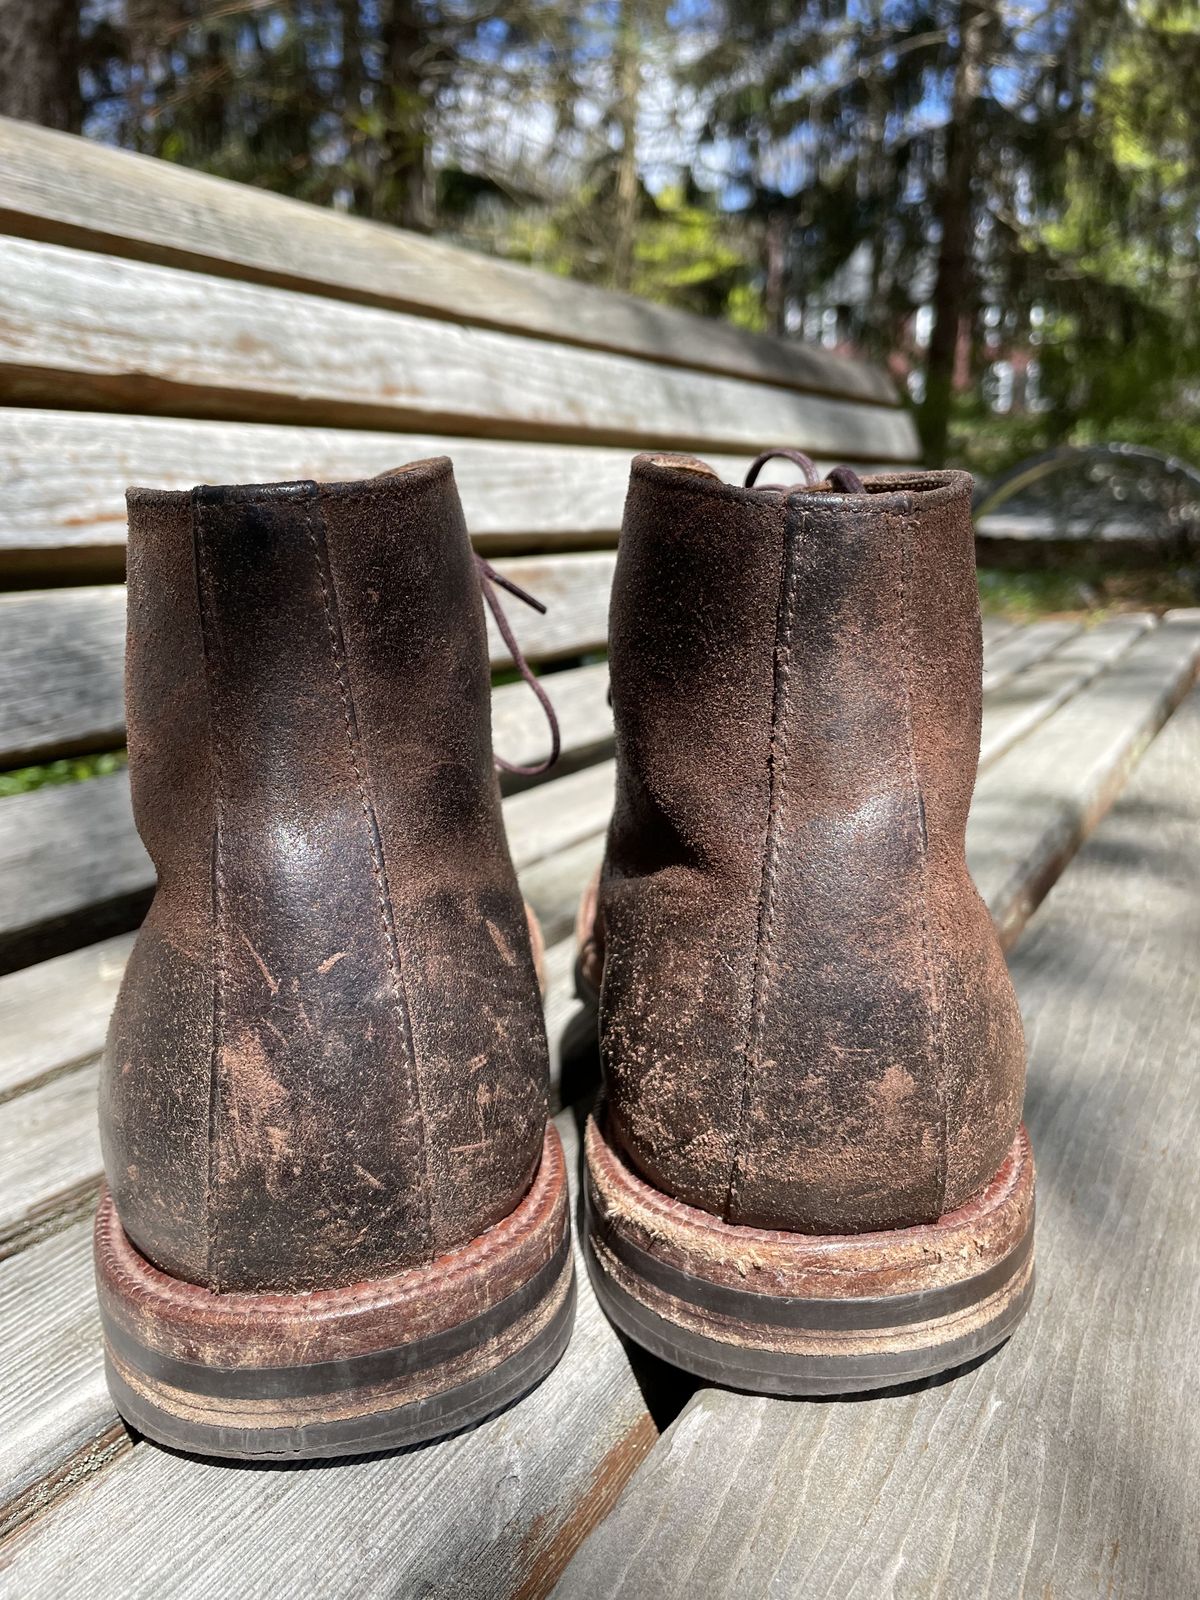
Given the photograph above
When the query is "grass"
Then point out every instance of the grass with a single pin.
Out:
(50, 774)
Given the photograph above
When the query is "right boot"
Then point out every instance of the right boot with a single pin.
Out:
(808, 1174)
(336, 1217)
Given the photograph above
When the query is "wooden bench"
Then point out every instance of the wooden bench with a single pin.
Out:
(163, 327)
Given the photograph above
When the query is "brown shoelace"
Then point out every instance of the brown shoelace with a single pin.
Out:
(489, 578)
(843, 479)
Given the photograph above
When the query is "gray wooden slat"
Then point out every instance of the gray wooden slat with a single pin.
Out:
(63, 476)
(1022, 648)
(71, 868)
(53, 1016)
(110, 334)
(62, 656)
(59, 188)
(1035, 805)
(496, 1511)
(1020, 702)
(57, 1423)
(548, 820)
(50, 1158)
(580, 699)
(553, 885)
(1065, 1465)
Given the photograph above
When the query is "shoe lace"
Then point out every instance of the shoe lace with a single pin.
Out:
(844, 479)
(489, 580)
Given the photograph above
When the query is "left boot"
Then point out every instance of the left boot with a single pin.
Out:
(336, 1218)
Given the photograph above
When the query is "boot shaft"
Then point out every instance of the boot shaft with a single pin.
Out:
(807, 1022)
(327, 1061)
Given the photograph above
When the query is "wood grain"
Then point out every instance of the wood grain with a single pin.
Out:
(1021, 701)
(72, 868)
(59, 188)
(50, 1158)
(1022, 648)
(53, 1016)
(492, 1512)
(62, 656)
(54, 1407)
(1065, 1465)
(63, 476)
(1034, 806)
(96, 332)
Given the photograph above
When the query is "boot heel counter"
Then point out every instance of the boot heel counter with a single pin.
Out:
(155, 1071)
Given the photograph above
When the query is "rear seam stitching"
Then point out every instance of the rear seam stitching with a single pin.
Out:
(764, 958)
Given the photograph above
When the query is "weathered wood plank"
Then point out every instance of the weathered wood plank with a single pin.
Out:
(553, 886)
(546, 821)
(580, 699)
(63, 476)
(97, 332)
(62, 657)
(53, 1016)
(1020, 702)
(57, 1423)
(57, 188)
(71, 866)
(50, 1158)
(496, 1511)
(1035, 805)
(1020, 649)
(1065, 1465)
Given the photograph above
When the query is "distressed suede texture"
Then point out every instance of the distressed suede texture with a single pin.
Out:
(327, 1060)
(806, 1019)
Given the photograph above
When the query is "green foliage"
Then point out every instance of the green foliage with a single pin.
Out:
(796, 148)
(23, 780)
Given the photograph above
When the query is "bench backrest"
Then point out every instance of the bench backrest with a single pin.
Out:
(169, 328)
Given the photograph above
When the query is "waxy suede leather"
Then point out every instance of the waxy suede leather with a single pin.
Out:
(806, 1018)
(327, 1062)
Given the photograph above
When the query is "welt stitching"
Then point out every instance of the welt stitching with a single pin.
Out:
(935, 1027)
(391, 946)
(764, 955)
(204, 595)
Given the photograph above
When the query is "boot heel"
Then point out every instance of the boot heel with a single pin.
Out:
(805, 1314)
(373, 1366)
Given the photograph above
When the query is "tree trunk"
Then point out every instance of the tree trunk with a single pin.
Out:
(952, 285)
(775, 244)
(39, 62)
(628, 83)
(352, 101)
(403, 191)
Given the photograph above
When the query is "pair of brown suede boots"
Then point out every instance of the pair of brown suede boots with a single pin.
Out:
(336, 1218)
